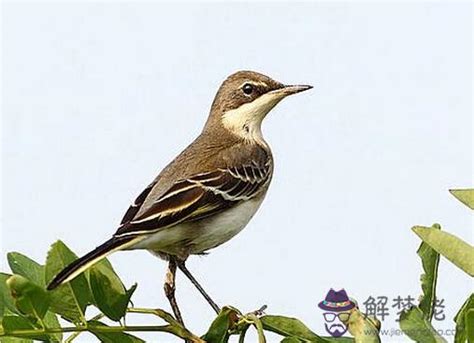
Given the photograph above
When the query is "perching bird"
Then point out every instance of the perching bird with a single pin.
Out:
(209, 192)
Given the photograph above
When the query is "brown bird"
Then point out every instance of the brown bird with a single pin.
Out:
(209, 192)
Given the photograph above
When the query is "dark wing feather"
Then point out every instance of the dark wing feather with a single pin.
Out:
(197, 197)
(135, 207)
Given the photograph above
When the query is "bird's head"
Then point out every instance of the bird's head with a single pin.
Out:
(244, 99)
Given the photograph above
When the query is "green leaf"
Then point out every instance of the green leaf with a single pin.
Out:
(364, 329)
(5, 294)
(24, 266)
(414, 324)
(339, 339)
(112, 337)
(461, 320)
(108, 291)
(12, 324)
(453, 248)
(50, 320)
(430, 262)
(291, 327)
(219, 329)
(466, 196)
(470, 325)
(70, 299)
(261, 334)
(29, 298)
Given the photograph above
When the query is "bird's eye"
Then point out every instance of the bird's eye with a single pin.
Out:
(247, 88)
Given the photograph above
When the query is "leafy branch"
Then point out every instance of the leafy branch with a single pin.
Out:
(28, 312)
(416, 322)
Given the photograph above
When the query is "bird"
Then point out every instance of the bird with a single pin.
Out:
(208, 193)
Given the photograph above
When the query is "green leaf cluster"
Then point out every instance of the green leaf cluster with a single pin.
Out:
(24, 301)
(28, 312)
(416, 322)
(231, 322)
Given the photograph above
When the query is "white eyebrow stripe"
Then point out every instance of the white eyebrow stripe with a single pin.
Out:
(255, 83)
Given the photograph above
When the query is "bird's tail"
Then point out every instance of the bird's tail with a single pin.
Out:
(91, 258)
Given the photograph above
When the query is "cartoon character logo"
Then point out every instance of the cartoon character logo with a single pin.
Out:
(337, 306)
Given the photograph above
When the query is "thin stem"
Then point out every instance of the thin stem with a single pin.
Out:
(72, 337)
(75, 334)
(156, 312)
(144, 328)
(172, 327)
(179, 329)
(242, 334)
(142, 310)
(40, 320)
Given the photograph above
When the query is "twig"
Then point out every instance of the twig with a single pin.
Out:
(75, 334)
(172, 327)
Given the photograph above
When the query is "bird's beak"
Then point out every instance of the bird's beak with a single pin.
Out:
(291, 89)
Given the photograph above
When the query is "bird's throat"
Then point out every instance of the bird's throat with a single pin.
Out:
(246, 120)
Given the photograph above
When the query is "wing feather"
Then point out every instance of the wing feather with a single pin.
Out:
(135, 207)
(196, 197)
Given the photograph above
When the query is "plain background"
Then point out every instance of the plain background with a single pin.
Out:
(97, 98)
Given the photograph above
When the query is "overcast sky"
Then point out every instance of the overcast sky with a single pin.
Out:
(97, 98)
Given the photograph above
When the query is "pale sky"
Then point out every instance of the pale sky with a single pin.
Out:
(97, 98)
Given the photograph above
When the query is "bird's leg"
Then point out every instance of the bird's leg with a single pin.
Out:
(170, 288)
(206, 296)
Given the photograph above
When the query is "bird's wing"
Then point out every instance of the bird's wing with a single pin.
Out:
(137, 204)
(196, 197)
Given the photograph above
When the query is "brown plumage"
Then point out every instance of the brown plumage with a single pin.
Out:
(210, 191)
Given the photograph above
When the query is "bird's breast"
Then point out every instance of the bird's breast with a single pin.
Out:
(199, 236)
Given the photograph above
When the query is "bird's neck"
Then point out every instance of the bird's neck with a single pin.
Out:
(239, 131)
(249, 129)
(240, 127)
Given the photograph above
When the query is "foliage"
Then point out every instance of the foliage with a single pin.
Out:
(462, 320)
(28, 312)
(466, 196)
(415, 325)
(451, 247)
(430, 262)
(365, 329)
(416, 322)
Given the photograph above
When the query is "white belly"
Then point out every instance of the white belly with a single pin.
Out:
(202, 235)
